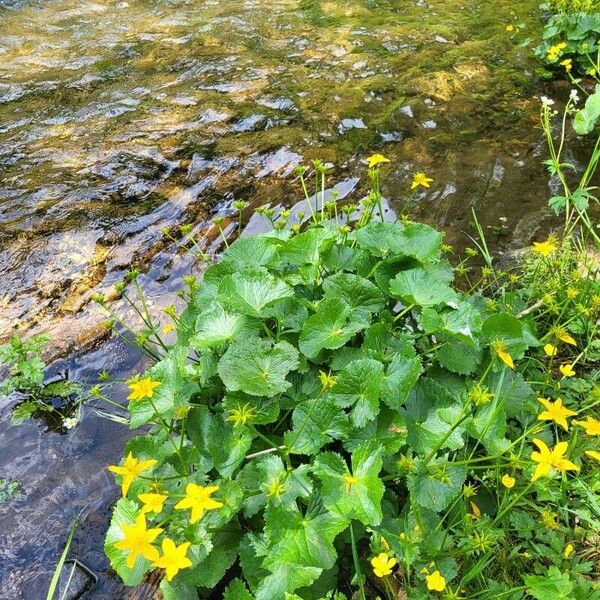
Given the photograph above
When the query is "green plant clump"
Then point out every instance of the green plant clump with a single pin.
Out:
(337, 417)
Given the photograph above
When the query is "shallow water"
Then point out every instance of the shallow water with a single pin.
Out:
(120, 119)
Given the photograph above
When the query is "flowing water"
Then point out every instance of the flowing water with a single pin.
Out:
(120, 120)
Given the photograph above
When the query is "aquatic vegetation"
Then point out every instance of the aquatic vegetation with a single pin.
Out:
(22, 358)
(343, 410)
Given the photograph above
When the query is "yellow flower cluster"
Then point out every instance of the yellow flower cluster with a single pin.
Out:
(554, 52)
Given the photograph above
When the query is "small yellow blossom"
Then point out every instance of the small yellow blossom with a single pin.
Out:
(545, 248)
(591, 426)
(550, 350)
(436, 582)
(382, 564)
(168, 328)
(350, 480)
(568, 550)
(510, 27)
(502, 352)
(152, 502)
(593, 454)
(130, 470)
(142, 388)
(561, 333)
(376, 160)
(174, 558)
(555, 51)
(567, 370)
(420, 179)
(548, 459)
(508, 482)
(198, 499)
(555, 411)
(567, 64)
(138, 541)
(327, 380)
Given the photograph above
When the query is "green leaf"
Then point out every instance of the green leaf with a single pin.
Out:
(315, 423)
(458, 357)
(285, 578)
(258, 367)
(304, 540)
(175, 389)
(305, 248)
(236, 590)
(215, 327)
(355, 495)
(415, 240)
(435, 487)
(251, 251)
(401, 377)
(509, 329)
(417, 286)
(552, 586)
(124, 513)
(462, 322)
(22, 412)
(355, 291)
(177, 590)
(359, 385)
(329, 328)
(252, 290)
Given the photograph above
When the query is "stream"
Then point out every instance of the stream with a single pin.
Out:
(121, 121)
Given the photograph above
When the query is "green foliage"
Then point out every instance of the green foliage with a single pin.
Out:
(340, 397)
(573, 36)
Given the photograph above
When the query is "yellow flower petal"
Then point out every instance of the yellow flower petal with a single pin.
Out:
(508, 481)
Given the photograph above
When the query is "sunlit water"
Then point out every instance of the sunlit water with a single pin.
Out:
(120, 119)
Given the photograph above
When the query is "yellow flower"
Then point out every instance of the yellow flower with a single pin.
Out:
(173, 558)
(138, 541)
(568, 550)
(591, 426)
(436, 582)
(510, 27)
(555, 51)
(198, 499)
(548, 459)
(550, 350)
(508, 481)
(327, 380)
(377, 159)
(545, 248)
(567, 370)
(142, 388)
(502, 352)
(152, 502)
(131, 470)
(567, 64)
(595, 455)
(350, 480)
(168, 328)
(383, 564)
(555, 411)
(561, 334)
(420, 179)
